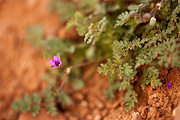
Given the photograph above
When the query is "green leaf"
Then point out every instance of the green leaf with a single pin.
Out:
(135, 7)
(36, 98)
(35, 111)
(48, 96)
(17, 105)
(52, 109)
(151, 75)
(95, 31)
(27, 100)
(107, 69)
(78, 20)
(64, 99)
(130, 98)
(123, 18)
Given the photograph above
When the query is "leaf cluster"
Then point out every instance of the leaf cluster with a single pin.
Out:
(34, 103)
(154, 48)
(29, 103)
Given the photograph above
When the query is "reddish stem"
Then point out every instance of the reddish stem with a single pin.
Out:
(154, 9)
(67, 72)
(62, 84)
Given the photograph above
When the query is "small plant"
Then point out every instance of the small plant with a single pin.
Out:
(135, 42)
(156, 47)
(34, 103)
(29, 103)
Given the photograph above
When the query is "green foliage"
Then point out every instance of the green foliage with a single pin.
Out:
(50, 103)
(35, 35)
(125, 16)
(94, 9)
(33, 103)
(151, 76)
(29, 103)
(65, 9)
(154, 47)
(147, 2)
(130, 98)
(95, 30)
(78, 20)
(64, 99)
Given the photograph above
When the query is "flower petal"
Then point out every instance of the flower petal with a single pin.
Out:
(51, 62)
(55, 58)
(60, 63)
(54, 66)
(59, 60)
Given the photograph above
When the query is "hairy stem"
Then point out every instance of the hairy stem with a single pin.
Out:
(62, 84)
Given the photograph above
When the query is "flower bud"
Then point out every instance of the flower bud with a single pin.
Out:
(152, 21)
(146, 17)
(137, 18)
(159, 5)
(54, 91)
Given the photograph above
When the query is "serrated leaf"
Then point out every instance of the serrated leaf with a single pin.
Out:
(64, 99)
(35, 111)
(17, 105)
(130, 99)
(27, 100)
(78, 20)
(36, 98)
(95, 30)
(123, 18)
(52, 109)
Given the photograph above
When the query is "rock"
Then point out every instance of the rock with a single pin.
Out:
(97, 117)
(136, 116)
(100, 105)
(176, 113)
(89, 117)
(104, 112)
(78, 96)
(84, 103)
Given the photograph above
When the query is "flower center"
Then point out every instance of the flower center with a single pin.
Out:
(57, 63)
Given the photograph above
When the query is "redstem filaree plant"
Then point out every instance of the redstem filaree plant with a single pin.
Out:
(56, 63)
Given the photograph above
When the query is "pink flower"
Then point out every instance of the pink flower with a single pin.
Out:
(56, 62)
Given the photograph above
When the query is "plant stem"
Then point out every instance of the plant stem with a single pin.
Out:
(82, 64)
(156, 8)
(69, 69)
(62, 84)
(155, 12)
